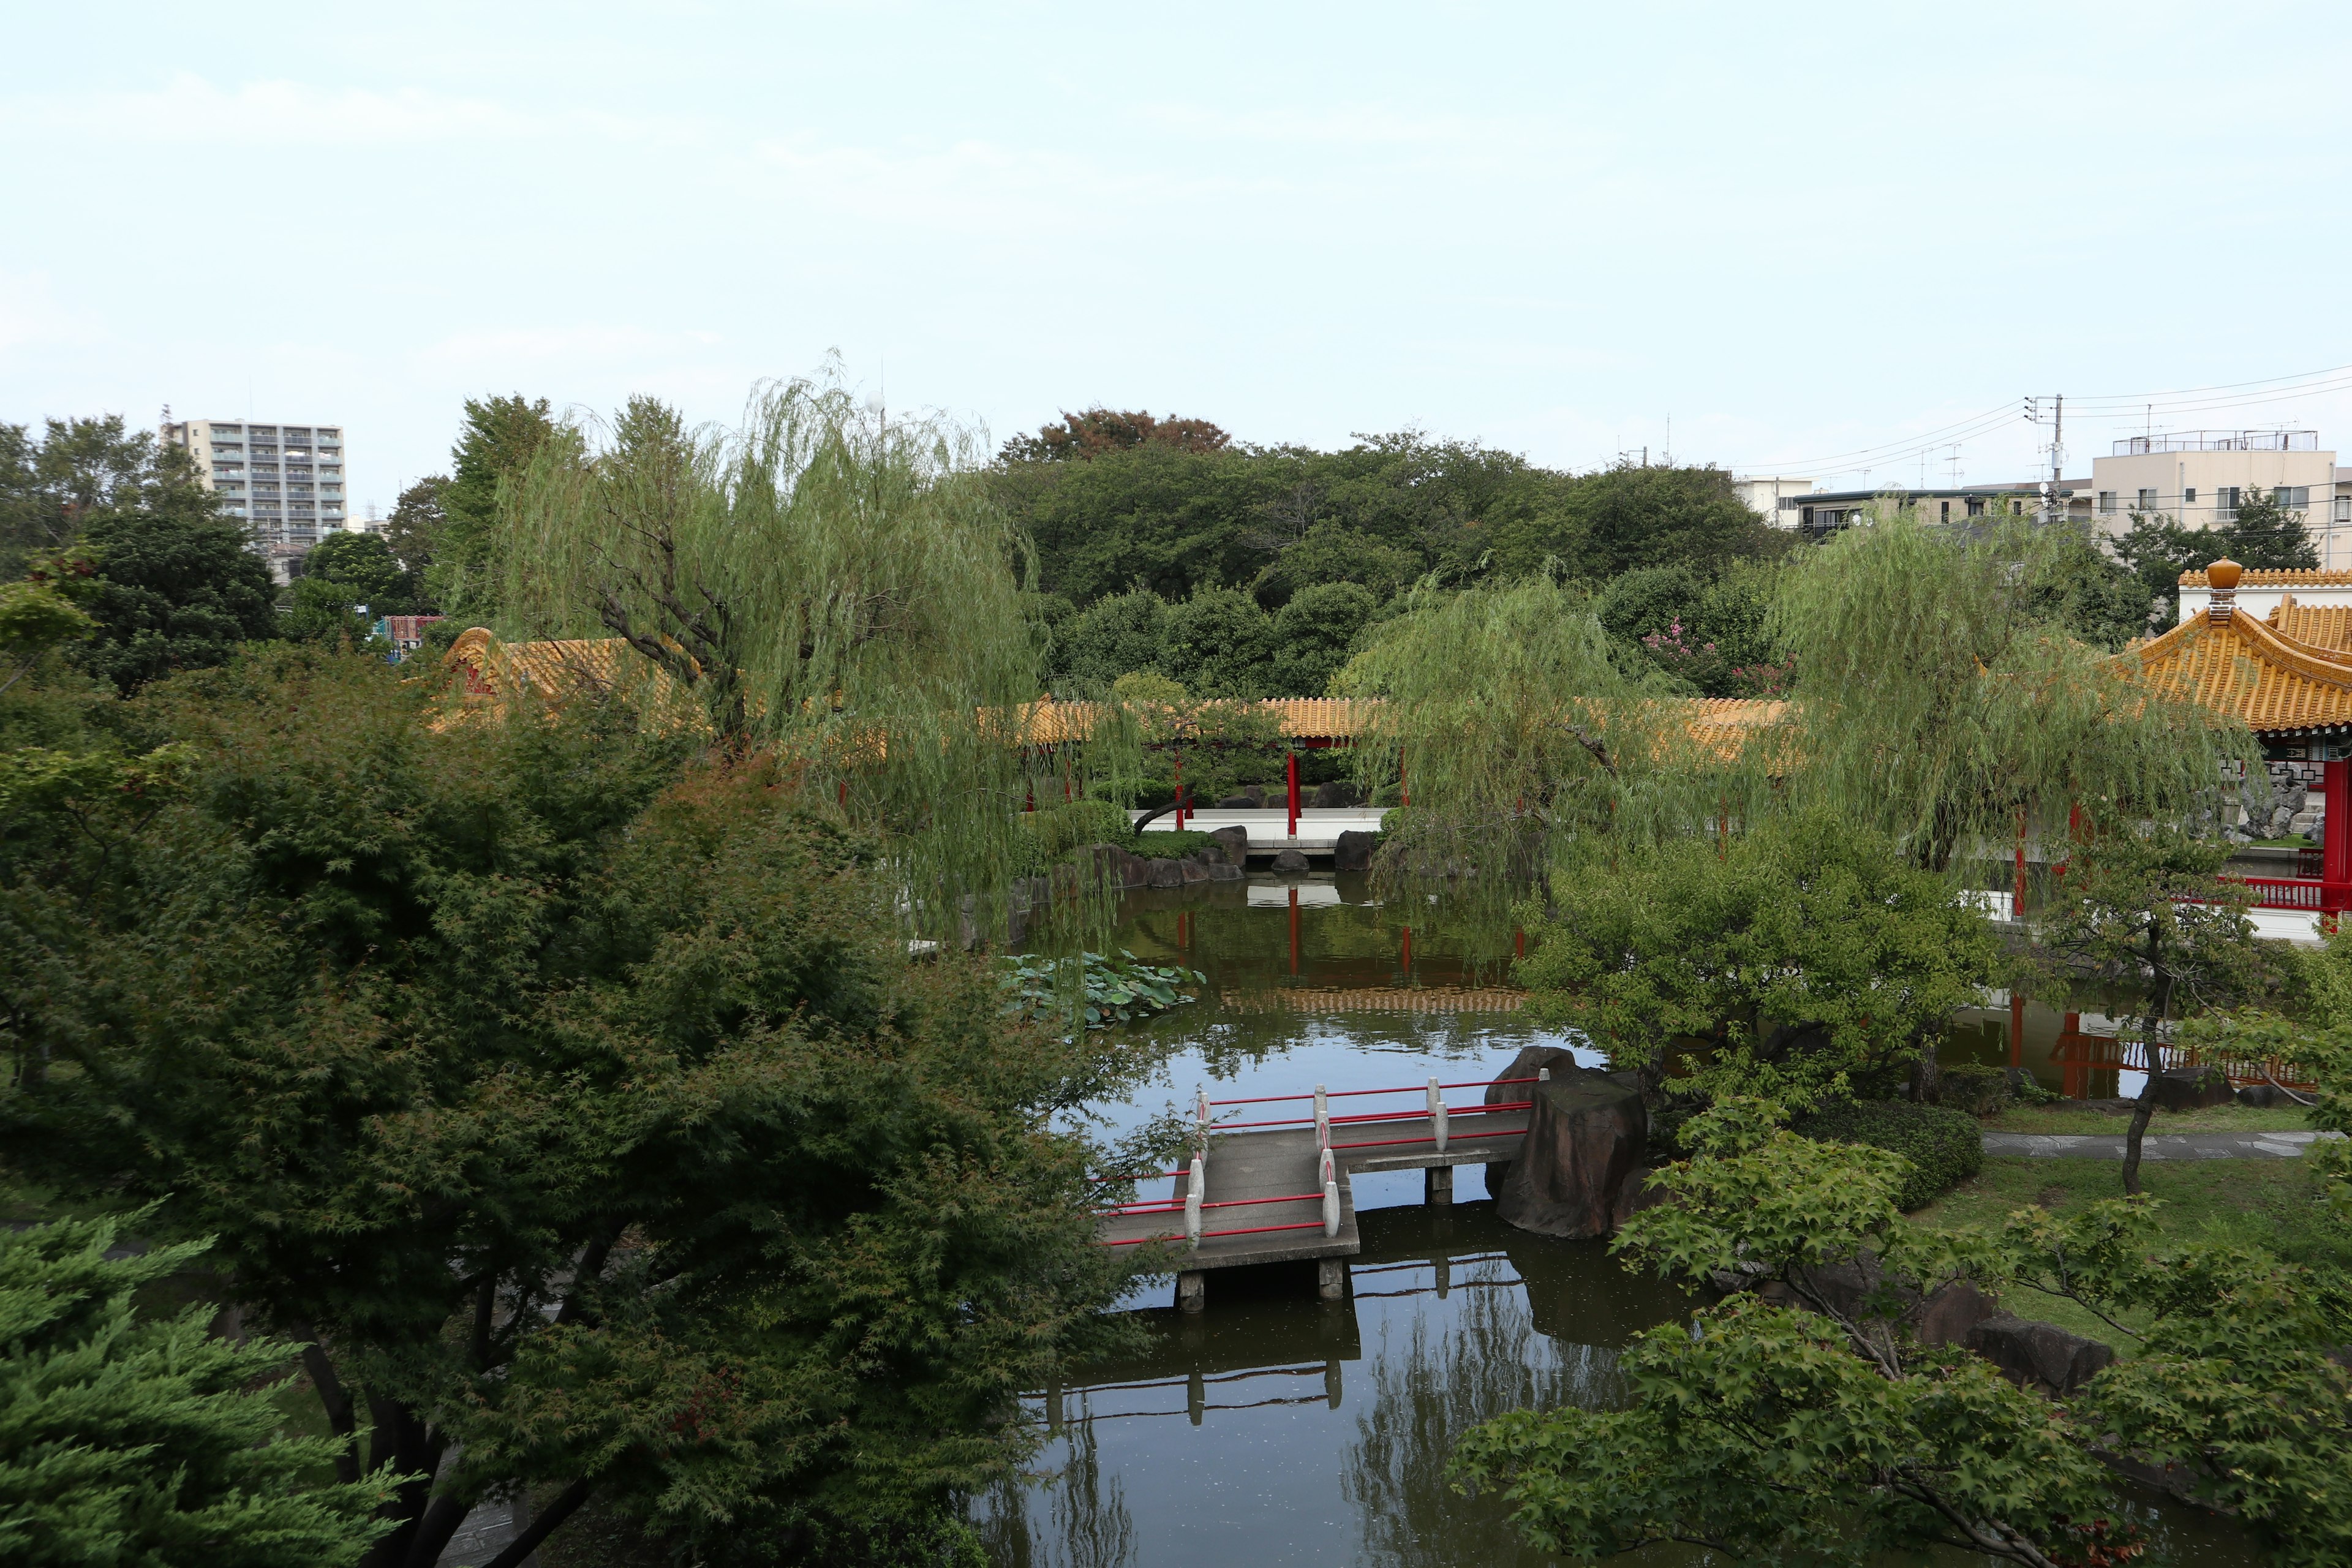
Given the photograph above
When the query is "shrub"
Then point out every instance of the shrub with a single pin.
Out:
(1058, 830)
(1172, 846)
(1943, 1145)
(1974, 1087)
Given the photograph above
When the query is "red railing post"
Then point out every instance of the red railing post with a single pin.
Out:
(2336, 837)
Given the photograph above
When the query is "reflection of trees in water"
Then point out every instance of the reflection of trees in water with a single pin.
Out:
(1425, 1394)
(1086, 1525)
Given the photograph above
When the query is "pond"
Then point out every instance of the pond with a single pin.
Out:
(1277, 1428)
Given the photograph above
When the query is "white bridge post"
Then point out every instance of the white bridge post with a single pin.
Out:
(1331, 1209)
(1437, 1114)
(1322, 1119)
(1196, 1179)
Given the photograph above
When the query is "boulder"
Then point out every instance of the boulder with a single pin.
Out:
(2264, 1095)
(2036, 1355)
(1862, 1289)
(2188, 1088)
(1224, 871)
(1588, 1135)
(1234, 842)
(1290, 862)
(1194, 868)
(1634, 1195)
(1118, 868)
(1335, 796)
(1239, 803)
(1950, 1315)
(1165, 874)
(1354, 851)
(1530, 1060)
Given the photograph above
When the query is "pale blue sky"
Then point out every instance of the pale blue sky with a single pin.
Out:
(1794, 230)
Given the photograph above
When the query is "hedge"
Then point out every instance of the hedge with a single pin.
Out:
(1944, 1146)
(1171, 845)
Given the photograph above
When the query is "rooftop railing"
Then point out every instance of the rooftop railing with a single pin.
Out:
(2218, 441)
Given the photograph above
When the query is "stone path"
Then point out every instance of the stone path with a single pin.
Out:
(2156, 1145)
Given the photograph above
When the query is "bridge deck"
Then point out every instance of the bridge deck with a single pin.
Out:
(1280, 1162)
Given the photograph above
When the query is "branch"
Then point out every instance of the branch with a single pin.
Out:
(540, 1527)
(486, 1303)
(1600, 749)
(335, 1398)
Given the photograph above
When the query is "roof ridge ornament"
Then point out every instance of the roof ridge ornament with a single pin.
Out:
(2222, 577)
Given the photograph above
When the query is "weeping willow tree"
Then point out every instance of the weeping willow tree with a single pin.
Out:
(1939, 701)
(836, 597)
(1519, 738)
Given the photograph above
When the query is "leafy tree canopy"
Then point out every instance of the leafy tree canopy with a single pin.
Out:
(570, 1107)
(363, 567)
(499, 438)
(53, 486)
(1100, 430)
(178, 588)
(416, 524)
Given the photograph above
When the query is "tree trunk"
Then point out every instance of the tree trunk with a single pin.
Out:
(2142, 1108)
(2160, 1004)
(407, 1448)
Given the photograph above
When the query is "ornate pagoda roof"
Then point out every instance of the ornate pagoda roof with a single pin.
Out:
(2259, 670)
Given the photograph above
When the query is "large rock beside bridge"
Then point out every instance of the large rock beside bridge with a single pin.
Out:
(1588, 1136)
(1353, 852)
(1234, 842)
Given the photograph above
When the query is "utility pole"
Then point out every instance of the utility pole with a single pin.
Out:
(2057, 453)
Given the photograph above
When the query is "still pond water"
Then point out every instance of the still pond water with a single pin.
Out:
(1277, 1429)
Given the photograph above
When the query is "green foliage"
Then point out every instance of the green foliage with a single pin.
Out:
(322, 611)
(1315, 634)
(1328, 554)
(130, 1437)
(1058, 830)
(1802, 949)
(1942, 1144)
(415, 527)
(363, 567)
(1108, 990)
(496, 446)
(1120, 635)
(1084, 437)
(1173, 845)
(838, 592)
(2264, 536)
(1631, 516)
(2267, 537)
(1980, 1090)
(1776, 1436)
(178, 588)
(2089, 594)
(35, 618)
(577, 1109)
(1220, 644)
(52, 486)
(1939, 702)
(1710, 634)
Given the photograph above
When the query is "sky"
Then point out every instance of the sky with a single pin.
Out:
(1816, 240)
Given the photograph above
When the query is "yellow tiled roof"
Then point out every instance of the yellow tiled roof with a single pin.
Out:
(2321, 626)
(2283, 577)
(2250, 670)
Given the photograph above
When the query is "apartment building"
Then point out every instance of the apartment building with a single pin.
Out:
(285, 480)
(2198, 476)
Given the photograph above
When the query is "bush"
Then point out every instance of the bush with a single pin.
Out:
(1058, 830)
(1974, 1087)
(1171, 845)
(1943, 1145)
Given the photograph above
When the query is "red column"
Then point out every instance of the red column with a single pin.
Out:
(2017, 1028)
(1292, 769)
(1293, 931)
(1408, 949)
(2336, 852)
(2074, 1070)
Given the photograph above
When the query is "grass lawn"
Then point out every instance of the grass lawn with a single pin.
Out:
(2271, 1204)
(2078, 1116)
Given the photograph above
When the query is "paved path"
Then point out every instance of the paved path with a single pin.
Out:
(2156, 1145)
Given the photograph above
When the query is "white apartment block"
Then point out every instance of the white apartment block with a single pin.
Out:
(2197, 479)
(285, 480)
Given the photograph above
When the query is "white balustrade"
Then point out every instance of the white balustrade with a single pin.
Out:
(1437, 1114)
(1196, 1179)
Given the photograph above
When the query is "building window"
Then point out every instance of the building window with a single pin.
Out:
(2107, 502)
(2147, 501)
(2189, 495)
(2017, 508)
(1976, 506)
(2225, 501)
(2344, 509)
(1947, 516)
(1804, 517)
(2292, 495)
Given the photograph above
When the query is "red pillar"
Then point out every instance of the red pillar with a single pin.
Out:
(1293, 931)
(2073, 1074)
(1291, 762)
(2336, 850)
(2017, 1028)
(2017, 901)
(1180, 789)
(1408, 950)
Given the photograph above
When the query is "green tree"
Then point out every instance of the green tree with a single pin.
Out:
(130, 1437)
(497, 442)
(363, 567)
(2142, 911)
(2156, 551)
(1099, 430)
(1797, 952)
(1116, 635)
(2264, 536)
(1824, 1434)
(1630, 516)
(1939, 701)
(1315, 634)
(1332, 553)
(1220, 644)
(52, 487)
(179, 587)
(577, 1113)
(414, 530)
